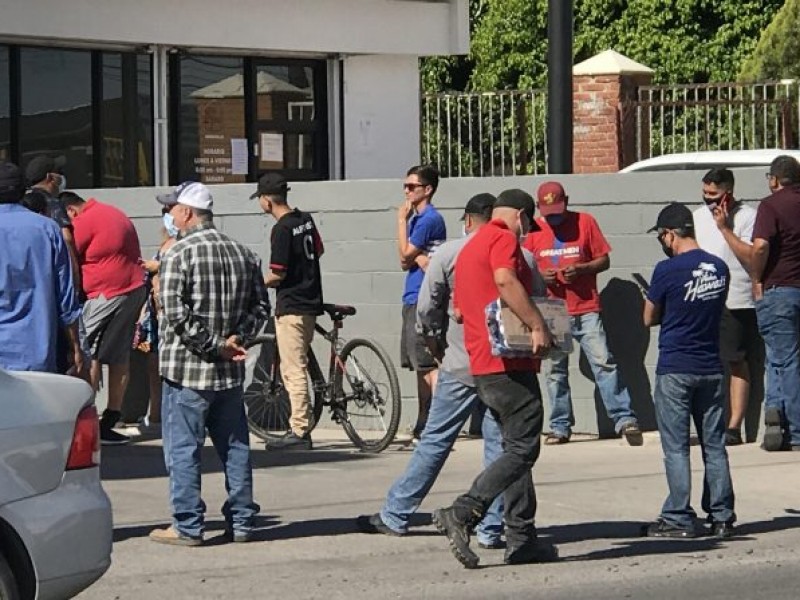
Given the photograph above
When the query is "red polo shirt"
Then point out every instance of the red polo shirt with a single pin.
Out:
(492, 247)
(577, 240)
(108, 250)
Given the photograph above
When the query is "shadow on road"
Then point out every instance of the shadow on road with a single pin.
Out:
(140, 461)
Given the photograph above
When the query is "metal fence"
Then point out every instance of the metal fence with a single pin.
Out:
(485, 134)
(723, 116)
(504, 133)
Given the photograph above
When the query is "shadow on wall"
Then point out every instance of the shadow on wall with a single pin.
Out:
(628, 340)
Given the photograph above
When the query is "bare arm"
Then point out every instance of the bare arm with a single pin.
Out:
(274, 278)
(408, 252)
(69, 239)
(652, 314)
(592, 267)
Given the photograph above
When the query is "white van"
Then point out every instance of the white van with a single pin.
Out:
(703, 161)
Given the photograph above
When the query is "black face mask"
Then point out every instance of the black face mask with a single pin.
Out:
(667, 250)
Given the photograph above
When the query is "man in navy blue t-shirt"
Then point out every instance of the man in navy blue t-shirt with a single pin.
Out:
(686, 297)
(420, 230)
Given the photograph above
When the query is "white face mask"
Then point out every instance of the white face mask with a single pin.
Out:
(464, 232)
(169, 225)
(62, 185)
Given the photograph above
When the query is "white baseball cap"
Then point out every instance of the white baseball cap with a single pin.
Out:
(190, 193)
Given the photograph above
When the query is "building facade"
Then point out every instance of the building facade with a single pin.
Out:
(152, 93)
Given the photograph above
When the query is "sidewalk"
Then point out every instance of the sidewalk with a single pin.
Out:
(593, 497)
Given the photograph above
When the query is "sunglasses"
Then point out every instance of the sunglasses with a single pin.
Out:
(413, 186)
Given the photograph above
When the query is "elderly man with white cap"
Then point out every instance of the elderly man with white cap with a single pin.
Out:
(214, 302)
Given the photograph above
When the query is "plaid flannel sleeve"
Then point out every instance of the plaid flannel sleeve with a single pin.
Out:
(259, 308)
(192, 331)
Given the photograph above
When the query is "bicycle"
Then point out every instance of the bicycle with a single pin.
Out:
(364, 401)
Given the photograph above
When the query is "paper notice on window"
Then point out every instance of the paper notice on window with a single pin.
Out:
(239, 160)
(272, 148)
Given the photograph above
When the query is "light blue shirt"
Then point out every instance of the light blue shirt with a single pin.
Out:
(37, 294)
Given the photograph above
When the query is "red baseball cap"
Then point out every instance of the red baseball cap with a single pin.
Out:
(552, 198)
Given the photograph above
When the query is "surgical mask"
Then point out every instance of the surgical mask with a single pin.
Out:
(667, 249)
(464, 232)
(62, 185)
(169, 225)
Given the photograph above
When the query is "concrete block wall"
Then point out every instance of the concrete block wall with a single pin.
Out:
(357, 220)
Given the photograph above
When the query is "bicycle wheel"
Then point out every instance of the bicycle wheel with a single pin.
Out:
(266, 400)
(367, 380)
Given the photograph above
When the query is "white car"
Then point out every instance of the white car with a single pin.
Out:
(55, 517)
(703, 161)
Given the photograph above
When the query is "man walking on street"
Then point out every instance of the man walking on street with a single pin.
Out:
(686, 297)
(214, 302)
(740, 342)
(113, 282)
(294, 271)
(453, 399)
(491, 265)
(774, 264)
(570, 251)
(420, 230)
(37, 295)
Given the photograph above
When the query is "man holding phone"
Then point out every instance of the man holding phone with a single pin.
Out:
(740, 342)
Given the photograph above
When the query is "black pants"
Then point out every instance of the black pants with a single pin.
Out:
(516, 403)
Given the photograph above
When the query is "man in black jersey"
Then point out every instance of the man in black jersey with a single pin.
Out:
(294, 271)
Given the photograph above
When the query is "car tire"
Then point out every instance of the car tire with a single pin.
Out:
(8, 585)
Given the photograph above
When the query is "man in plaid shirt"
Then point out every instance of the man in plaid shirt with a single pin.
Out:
(214, 302)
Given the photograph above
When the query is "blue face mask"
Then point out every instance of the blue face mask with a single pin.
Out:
(554, 220)
(169, 225)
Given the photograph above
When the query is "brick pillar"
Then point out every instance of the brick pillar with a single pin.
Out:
(604, 129)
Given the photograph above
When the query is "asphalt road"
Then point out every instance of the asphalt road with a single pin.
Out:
(593, 498)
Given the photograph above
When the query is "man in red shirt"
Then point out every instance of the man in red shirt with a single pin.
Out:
(113, 283)
(570, 250)
(489, 266)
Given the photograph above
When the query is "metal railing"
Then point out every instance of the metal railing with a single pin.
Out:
(485, 134)
(720, 116)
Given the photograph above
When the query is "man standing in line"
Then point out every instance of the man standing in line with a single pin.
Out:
(686, 297)
(113, 282)
(491, 265)
(46, 179)
(213, 303)
(37, 297)
(453, 399)
(740, 342)
(294, 271)
(774, 264)
(420, 230)
(570, 251)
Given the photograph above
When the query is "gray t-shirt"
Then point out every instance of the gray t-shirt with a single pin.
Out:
(435, 316)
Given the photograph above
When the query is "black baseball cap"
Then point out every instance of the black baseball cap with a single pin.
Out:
(41, 165)
(271, 183)
(480, 204)
(517, 199)
(12, 187)
(674, 216)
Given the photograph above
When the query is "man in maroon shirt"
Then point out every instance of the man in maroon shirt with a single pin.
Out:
(113, 283)
(491, 265)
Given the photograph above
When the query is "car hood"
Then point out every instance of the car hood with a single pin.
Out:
(37, 419)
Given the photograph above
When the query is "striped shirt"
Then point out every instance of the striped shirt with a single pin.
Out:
(212, 287)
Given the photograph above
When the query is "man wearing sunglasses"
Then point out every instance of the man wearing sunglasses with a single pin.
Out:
(420, 230)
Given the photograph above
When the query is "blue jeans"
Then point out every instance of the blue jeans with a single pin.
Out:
(588, 331)
(186, 413)
(451, 406)
(678, 399)
(778, 314)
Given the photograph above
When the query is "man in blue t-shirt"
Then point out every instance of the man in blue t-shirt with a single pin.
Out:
(420, 230)
(686, 297)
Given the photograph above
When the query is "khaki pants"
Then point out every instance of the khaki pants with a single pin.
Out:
(294, 334)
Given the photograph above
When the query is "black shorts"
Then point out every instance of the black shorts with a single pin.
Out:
(414, 353)
(739, 336)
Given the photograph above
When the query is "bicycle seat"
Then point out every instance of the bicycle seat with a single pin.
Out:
(337, 312)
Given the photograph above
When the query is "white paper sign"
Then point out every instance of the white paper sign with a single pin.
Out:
(272, 147)
(239, 161)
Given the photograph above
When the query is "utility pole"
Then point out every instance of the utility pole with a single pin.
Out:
(559, 85)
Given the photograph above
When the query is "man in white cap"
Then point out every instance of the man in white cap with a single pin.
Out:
(214, 302)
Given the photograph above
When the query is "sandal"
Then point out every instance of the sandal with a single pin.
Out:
(554, 439)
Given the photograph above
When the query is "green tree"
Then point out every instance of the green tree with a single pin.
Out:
(684, 41)
(777, 55)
